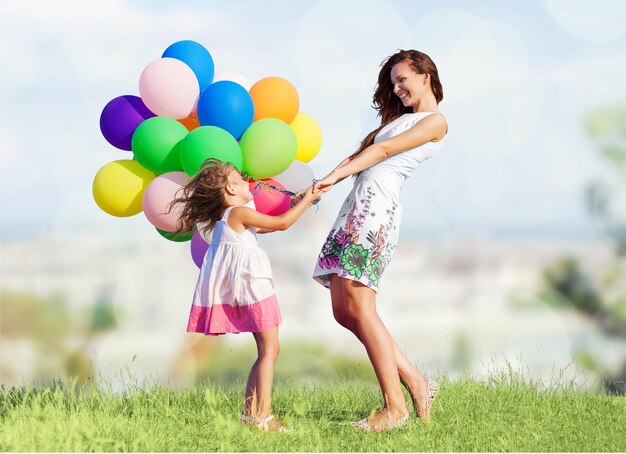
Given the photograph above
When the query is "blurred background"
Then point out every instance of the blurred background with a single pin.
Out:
(513, 239)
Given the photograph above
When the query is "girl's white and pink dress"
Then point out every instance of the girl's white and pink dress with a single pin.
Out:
(235, 289)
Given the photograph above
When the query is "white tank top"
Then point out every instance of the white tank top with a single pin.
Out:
(405, 162)
(389, 174)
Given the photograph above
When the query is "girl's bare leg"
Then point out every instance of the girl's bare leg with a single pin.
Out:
(250, 395)
(268, 349)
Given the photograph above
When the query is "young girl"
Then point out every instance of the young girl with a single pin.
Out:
(235, 290)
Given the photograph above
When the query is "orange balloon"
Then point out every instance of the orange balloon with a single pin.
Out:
(191, 122)
(275, 97)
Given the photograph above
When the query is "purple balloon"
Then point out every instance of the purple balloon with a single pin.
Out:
(119, 119)
(198, 248)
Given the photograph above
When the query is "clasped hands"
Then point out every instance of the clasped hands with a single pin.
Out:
(323, 185)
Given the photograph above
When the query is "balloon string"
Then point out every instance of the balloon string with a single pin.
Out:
(270, 187)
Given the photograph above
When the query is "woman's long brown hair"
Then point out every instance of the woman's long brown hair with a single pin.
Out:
(386, 102)
(203, 197)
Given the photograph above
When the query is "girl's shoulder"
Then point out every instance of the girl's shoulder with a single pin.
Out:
(235, 217)
(237, 211)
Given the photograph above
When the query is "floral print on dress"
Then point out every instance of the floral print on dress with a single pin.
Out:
(355, 259)
(343, 250)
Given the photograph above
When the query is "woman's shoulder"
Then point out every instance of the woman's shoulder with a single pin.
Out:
(407, 121)
(435, 120)
(414, 117)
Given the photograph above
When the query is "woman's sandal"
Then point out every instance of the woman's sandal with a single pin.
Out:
(431, 393)
(366, 427)
(261, 424)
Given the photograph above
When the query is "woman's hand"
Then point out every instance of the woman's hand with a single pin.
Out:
(312, 194)
(326, 183)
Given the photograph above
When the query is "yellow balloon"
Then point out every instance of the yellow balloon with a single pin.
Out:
(309, 136)
(118, 187)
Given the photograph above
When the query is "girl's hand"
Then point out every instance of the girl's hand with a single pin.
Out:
(310, 193)
(326, 183)
(296, 198)
(313, 193)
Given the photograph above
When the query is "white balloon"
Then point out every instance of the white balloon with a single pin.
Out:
(234, 76)
(298, 176)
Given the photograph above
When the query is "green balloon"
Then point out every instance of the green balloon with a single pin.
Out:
(178, 237)
(155, 144)
(209, 142)
(269, 146)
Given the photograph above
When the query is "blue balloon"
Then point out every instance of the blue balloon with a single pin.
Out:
(196, 57)
(227, 105)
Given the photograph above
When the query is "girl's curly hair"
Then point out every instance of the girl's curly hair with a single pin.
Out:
(203, 197)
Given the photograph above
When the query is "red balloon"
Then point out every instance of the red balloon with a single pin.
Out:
(268, 200)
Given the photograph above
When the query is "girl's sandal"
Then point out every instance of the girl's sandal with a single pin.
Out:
(366, 427)
(263, 425)
(249, 421)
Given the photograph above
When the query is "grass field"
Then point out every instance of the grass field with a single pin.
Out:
(501, 414)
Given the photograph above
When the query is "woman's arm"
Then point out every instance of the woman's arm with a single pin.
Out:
(298, 195)
(431, 128)
(341, 164)
(241, 217)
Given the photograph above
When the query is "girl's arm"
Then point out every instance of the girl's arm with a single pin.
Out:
(241, 217)
(431, 128)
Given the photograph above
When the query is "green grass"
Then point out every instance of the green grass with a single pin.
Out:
(497, 415)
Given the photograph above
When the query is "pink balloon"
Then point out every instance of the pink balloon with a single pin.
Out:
(198, 248)
(270, 201)
(157, 197)
(169, 88)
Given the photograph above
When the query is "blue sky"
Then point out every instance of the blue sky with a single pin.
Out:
(518, 78)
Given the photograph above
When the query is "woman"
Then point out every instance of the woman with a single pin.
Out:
(361, 242)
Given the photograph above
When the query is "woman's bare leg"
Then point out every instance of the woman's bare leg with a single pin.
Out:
(410, 377)
(360, 309)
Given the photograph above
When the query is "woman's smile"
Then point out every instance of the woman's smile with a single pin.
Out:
(404, 96)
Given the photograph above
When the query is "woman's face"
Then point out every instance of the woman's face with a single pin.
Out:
(408, 85)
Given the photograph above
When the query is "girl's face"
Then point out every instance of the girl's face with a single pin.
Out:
(408, 85)
(240, 187)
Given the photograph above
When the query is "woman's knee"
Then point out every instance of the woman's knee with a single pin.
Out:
(356, 310)
(340, 316)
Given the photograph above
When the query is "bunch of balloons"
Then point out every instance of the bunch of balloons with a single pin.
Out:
(186, 113)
